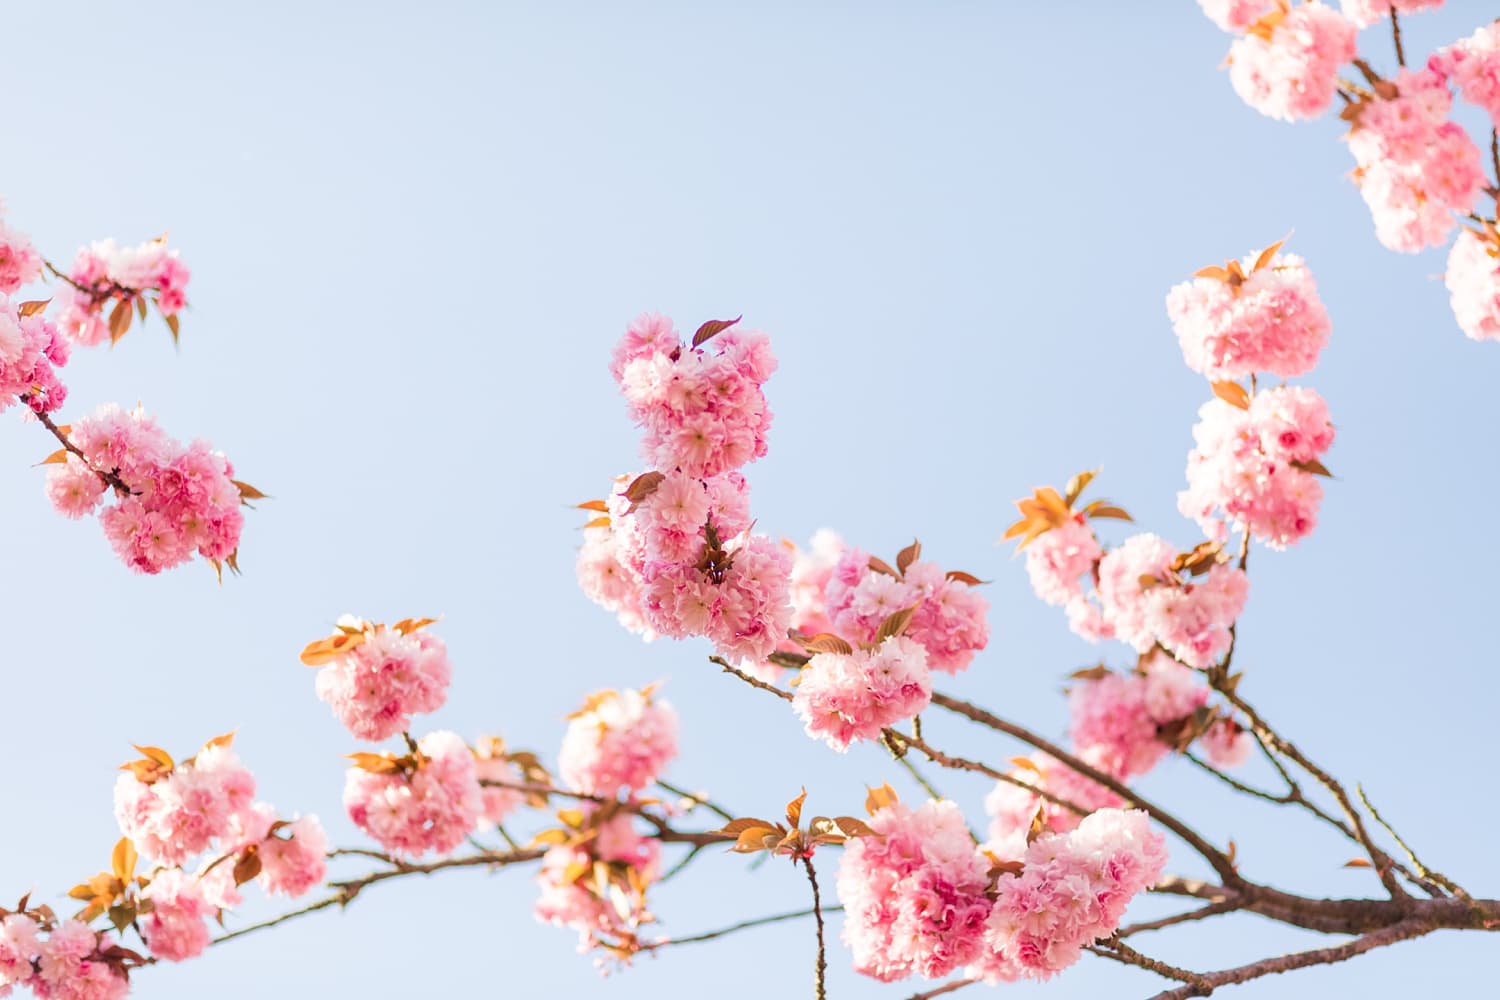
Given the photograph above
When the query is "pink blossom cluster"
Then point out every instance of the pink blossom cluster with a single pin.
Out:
(914, 894)
(1367, 12)
(175, 929)
(1473, 66)
(845, 697)
(619, 741)
(1255, 467)
(949, 621)
(70, 963)
(702, 408)
(293, 858)
(20, 264)
(429, 806)
(1012, 808)
(1116, 718)
(1145, 602)
(1272, 321)
(1473, 280)
(105, 274)
(176, 815)
(30, 352)
(1414, 167)
(1059, 560)
(379, 684)
(182, 499)
(812, 571)
(1234, 15)
(1291, 71)
(674, 554)
(596, 885)
(1226, 743)
(1072, 891)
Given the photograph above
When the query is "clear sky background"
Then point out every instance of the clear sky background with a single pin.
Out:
(415, 235)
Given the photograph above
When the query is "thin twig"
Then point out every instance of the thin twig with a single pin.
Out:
(1119, 951)
(1411, 855)
(732, 928)
(1396, 36)
(753, 682)
(1299, 960)
(110, 479)
(697, 799)
(1201, 913)
(944, 989)
(820, 991)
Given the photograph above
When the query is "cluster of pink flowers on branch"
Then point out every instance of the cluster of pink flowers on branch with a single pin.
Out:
(619, 741)
(171, 500)
(672, 552)
(426, 800)
(846, 694)
(922, 899)
(31, 351)
(594, 878)
(120, 279)
(1417, 169)
(377, 677)
(20, 264)
(61, 959)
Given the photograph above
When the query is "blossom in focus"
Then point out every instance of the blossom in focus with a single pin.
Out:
(387, 675)
(846, 697)
(426, 802)
(1287, 65)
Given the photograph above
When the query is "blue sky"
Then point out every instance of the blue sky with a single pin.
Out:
(415, 235)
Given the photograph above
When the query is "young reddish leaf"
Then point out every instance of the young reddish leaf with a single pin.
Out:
(642, 487)
(119, 321)
(1038, 824)
(959, 576)
(375, 763)
(248, 492)
(1213, 271)
(172, 325)
(140, 306)
(794, 809)
(998, 868)
(122, 860)
(735, 827)
(315, 654)
(224, 740)
(881, 566)
(32, 308)
(1358, 863)
(850, 826)
(895, 623)
(122, 916)
(756, 838)
(58, 457)
(1025, 764)
(1092, 673)
(1266, 255)
(156, 755)
(571, 817)
(407, 626)
(1313, 466)
(908, 555)
(550, 838)
(879, 798)
(1077, 485)
(827, 642)
(1233, 393)
(713, 328)
(599, 506)
(247, 867)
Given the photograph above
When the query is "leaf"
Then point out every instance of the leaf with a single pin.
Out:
(959, 576)
(881, 566)
(550, 838)
(247, 867)
(1092, 673)
(642, 487)
(598, 506)
(1025, 764)
(1233, 393)
(735, 827)
(32, 308)
(122, 916)
(713, 328)
(375, 763)
(1148, 580)
(1232, 852)
(1213, 271)
(827, 642)
(895, 623)
(407, 626)
(1077, 485)
(756, 838)
(1358, 863)
(794, 809)
(122, 860)
(248, 492)
(998, 868)
(58, 457)
(908, 555)
(571, 817)
(315, 654)
(119, 321)
(172, 325)
(156, 755)
(852, 826)
(227, 739)
(140, 306)
(1103, 509)
(1266, 255)
(1038, 824)
(879, 798)
(1313, 466)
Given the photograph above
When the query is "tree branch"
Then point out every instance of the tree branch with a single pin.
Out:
(820, 991)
